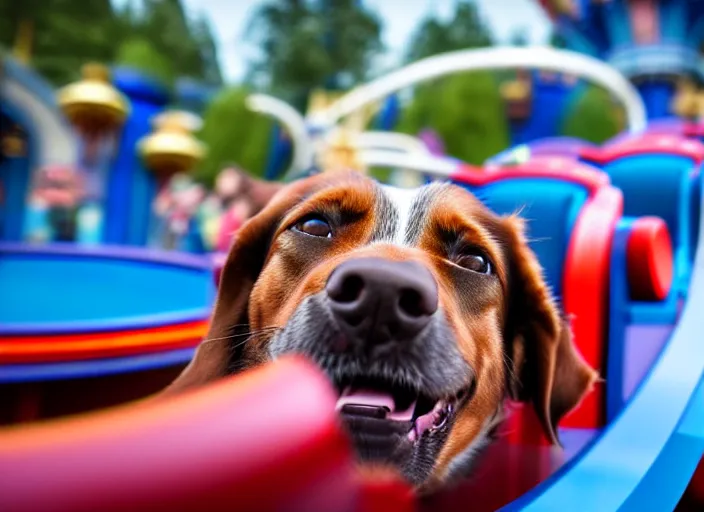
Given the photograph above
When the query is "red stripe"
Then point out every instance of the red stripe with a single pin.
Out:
(35, 349)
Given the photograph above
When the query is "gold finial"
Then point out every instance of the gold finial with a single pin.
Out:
(96, 72)
(13, 145)
(685, 104)
(516, 90)
(319, 100)
(92, 104)
(699, 102)
(24, 39)
(339, 152)
(172, 149)
(358, 121)
(567, 7)
(516, 95)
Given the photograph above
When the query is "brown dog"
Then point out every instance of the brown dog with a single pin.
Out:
(425, 309)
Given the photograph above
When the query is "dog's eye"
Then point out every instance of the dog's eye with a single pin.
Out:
(476, 262)
(314, 226)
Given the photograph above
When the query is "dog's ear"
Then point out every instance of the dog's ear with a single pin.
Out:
(548, 371)
(245, 261)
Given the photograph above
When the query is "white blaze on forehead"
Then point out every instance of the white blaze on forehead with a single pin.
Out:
(402, 200)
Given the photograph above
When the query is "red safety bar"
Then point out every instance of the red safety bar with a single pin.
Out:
(586, 293)
(694, 130)
(585, 300)
(647, 143)
(557, 167)
(585, 277)
(267, 440)
(650, 260)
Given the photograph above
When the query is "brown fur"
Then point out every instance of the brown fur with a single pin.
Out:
(508, 322)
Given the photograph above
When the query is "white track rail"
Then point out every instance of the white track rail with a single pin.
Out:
(542, 58)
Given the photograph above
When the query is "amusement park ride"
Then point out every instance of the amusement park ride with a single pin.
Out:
(616, 228)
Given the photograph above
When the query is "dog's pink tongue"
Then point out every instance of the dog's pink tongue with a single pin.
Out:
(374, 399)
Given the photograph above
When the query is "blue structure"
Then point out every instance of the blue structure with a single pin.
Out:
(280, 150)
(29, 113)
(30, 116)
(388, 115)
(547, 104)
(642, 461)
(131, 186)
(636, 459)
(652, 42)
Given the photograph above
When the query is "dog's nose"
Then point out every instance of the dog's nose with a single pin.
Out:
(378, 301)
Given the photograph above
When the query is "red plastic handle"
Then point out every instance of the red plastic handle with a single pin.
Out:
(650, 260)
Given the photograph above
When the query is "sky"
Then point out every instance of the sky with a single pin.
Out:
(400, 17)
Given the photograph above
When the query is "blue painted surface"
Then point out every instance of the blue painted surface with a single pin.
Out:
(389, 114)
(15, 175)
(15, 373)
(695, 36)
(594, 24)
(14, 180)
(550, 101)
(645, 457)
(574, 440)
(624, 312)
(657, 96)
(618, 23)
(659, 184)
(48, 288)
(575, 40)
(542, 203)
(696, 191)
(280, 151)
(550, 146)
(131, 188)
(682, 455)
(673, 20)
(192, 241)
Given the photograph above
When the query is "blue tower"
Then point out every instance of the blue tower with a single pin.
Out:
(655, 43)
(131, 186)
(537, 104)
(33, 134)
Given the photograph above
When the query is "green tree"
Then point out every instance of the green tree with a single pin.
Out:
(466, 111)
(465, 30)
(233, 134)
(65, 34)
(189, 44)
(304, 44)
(13, 15)
(594, 117)
(139, 54)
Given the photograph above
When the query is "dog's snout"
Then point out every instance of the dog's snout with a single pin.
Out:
(377, 301)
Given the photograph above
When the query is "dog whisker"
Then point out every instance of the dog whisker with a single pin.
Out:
(252, 335)
(240, 335)
(509, 368)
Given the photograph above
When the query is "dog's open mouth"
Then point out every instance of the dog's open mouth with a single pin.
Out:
(383, 408)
